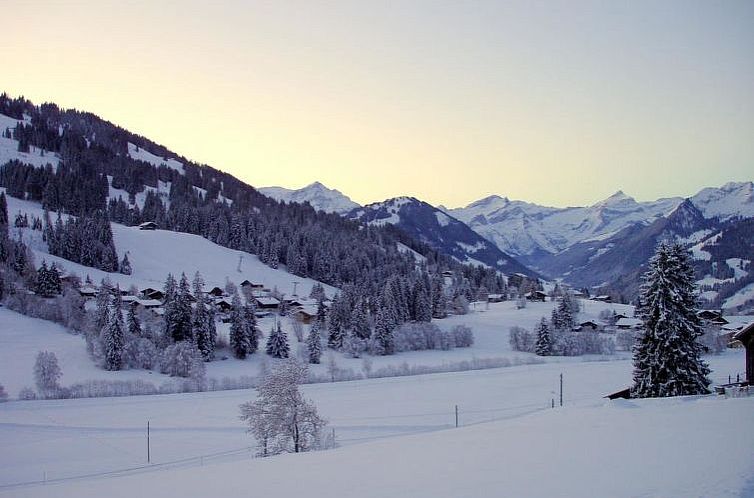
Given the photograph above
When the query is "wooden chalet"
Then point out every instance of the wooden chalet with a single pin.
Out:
(87, 291)
(603, 298)
(712, 316)
(746, 337)
(629, 323)
(589, 326)
(266, 303)
(149, 303)
(305, 315)
(247, 284)
(495, 298)
(148, 225)
(216, 292)
(223, 304)
(536, 296)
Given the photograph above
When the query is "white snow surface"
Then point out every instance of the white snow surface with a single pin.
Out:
(509, 442)
(154, 254)
(319, 196)
(732, 199)
(141, 154)
(9, 148)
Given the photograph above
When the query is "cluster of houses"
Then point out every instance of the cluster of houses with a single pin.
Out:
(265, 303)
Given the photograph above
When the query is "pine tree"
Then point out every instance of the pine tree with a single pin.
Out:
(314, 344)
(360, 321)
(203, 321)
(383, 333)
(125, 265)
(543, 346)
(132, 322)
(667, 356)
(239, 329)
(103, 305)
(113, 338)
(277, 343)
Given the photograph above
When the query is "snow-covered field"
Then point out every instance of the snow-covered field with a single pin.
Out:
(590, 447)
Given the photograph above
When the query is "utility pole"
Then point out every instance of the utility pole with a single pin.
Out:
(456, 415)
(295, 285)
(149, 459)
(561, 389)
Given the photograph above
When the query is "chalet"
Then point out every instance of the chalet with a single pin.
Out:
(88, 291)
(535, 296)
(156, 294)
(618, 316)
(246, 284)
(711, 316)
(149, 303)
(305, 315)
(495, 298)
(603, 298)
(216, 292)
(148, 225)
(746, 337)
(589, 326)
(128, 299)
(629, 323)
(266, 303)
(447, 274)
(622, 394)
(223, 304)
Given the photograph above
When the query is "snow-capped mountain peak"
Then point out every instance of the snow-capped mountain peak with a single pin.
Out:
(318, 195)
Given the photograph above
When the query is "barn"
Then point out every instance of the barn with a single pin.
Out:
(148, 225)
(746, 337)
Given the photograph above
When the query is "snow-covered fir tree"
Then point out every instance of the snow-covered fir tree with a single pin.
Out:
(384, 343)
(125, 265)
(359, 325)
(112, 337)
(133, 325)
(48, 282)
(668, 356)
(177, 316)
(240, 333)
(314, 343)
(47, 373)
(543, 345)
(203, 321)
(277, 343)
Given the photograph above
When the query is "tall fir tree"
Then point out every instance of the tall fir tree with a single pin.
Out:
(202, 323)
(314, 343)
(113, 337)
(133, 325)
(277, 343)
(543, 345)
(667, 356)
(239, 329)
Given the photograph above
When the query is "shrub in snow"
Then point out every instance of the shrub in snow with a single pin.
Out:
(521, 339)
(47, 373)
(281, 420)
(141, 353)
(183, 359)
(3, 394)
(463, 336)
(354, 346)
(625, 340)
(27, 394)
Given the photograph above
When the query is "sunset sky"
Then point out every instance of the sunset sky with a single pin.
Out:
(560, 103)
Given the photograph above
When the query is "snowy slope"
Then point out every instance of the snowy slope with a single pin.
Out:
(439, 230)
(732, 199)
(9, 148)
(141, 154)
(587, 448)
(320, 197)
(154, 254)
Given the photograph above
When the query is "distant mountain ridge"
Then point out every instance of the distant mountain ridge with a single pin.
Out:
(439, 230)
(316, 194)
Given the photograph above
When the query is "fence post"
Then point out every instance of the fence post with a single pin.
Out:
(456, 415)
(561, 389)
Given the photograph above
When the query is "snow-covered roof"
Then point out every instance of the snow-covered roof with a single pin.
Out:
(267, 301)
(149, 303)
(629, 322)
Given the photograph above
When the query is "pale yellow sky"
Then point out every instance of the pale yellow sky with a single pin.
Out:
(560, 103)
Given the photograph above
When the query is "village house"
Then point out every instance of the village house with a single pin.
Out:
(266, 303)
(536, 296)
(629, 323)
(746, 337)
(495, 298)
(148, 225)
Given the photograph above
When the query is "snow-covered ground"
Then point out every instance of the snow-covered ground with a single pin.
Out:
(154, 254)
(590, 447)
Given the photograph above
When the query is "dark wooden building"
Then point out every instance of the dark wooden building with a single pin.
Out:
(746, 336)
